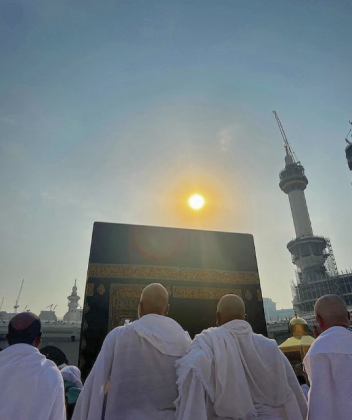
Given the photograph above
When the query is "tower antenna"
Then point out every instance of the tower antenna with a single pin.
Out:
(288, 147)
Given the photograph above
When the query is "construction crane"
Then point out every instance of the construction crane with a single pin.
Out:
(50, 306)
(18, 298)
(1, 304)
(286, 142)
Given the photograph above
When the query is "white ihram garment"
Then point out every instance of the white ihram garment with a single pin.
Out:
(328, 364)
(232, 373)
(72, 374)
(138, 361)
(305, 390)
(31, 387)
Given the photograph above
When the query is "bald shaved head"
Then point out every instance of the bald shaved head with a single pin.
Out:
(154, 300)
(230, 307)
(24, 328)
(331, 311)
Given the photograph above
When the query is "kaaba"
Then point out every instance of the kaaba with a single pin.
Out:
(196, 267)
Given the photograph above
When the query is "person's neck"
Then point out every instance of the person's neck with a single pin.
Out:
(152, 313)
(230, 320)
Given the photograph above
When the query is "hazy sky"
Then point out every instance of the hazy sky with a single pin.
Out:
(117, 110)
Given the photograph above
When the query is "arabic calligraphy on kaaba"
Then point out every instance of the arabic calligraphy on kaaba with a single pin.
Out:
(171, 273)
(202, 292)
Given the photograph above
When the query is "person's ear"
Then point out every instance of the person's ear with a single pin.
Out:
(320, 322)
(167, 309)
(246, 317)
(37, 340)
(316, 333)
(218, 319)
(348, 315)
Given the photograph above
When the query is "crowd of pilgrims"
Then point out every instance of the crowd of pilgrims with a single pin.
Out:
(150, 369)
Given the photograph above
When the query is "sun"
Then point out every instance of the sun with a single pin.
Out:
(196, 202)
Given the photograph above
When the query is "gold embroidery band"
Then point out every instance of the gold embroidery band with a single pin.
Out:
(203, 292)
(131, 291)
(171, 273)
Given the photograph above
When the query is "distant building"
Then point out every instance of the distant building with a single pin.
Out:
(49, 316)
(278, 331)
(6, 316)
(63, 334)
(269, 309)
(285, 313)
(274, 314)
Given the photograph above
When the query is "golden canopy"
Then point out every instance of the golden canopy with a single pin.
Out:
(300, 340)
(297, 346)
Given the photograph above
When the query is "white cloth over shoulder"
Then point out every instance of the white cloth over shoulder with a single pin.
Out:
(328, 364)
(232, 373)
(32, 387)
(137, 361)
(305, 390)
(72, 374)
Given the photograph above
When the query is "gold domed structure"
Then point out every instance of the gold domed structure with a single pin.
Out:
(299, 327)
(297, 346)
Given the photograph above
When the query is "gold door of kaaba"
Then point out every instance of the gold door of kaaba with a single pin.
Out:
(196, 267)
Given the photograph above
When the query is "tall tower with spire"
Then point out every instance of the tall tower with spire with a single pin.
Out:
(74, 314)
(308, 250)
(316, 268)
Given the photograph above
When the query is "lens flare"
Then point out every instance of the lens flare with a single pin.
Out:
(196, 202)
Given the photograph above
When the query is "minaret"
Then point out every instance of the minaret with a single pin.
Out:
(308, 251)
(72, 315)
